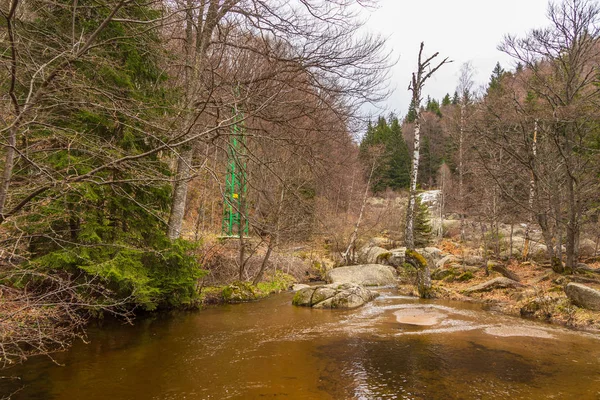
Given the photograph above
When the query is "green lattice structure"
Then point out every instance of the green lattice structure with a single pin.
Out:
(234, 201)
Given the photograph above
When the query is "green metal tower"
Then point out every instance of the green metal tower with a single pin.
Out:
(234, 201)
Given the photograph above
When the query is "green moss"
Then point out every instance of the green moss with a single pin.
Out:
(465, 276)
(384, 256)
(418, 259)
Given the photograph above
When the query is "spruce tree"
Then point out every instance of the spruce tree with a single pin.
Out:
(497, 74)
(446, 101)
(455, 98)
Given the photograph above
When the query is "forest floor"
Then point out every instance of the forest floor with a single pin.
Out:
(542, 296)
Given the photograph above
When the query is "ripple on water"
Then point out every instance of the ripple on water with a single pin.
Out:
(509, 331)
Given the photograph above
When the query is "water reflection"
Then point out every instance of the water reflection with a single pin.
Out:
(271, 349)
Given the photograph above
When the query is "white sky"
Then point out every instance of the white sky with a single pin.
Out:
(463, 30)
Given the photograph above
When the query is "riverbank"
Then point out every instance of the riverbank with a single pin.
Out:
(541, 296)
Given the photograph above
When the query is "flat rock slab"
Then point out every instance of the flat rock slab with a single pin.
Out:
(346, 295)
(364, 275)
(419, 317)
(496, 283)
(583, 296)
(510, 331)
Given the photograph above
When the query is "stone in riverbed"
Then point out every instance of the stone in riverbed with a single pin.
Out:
(365, 275)
(583, 296)
(334, 296)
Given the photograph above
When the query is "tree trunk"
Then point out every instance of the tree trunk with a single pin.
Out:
(412, 199)
(184, 168)
(461, 195)
(264, 263)
(532, 188)
(9, 162)
(423, 273)
(350, 250)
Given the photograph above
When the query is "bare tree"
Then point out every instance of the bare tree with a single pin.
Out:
(562, 60)
(424, 72)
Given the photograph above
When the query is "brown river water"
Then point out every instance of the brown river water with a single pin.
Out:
(271, 349)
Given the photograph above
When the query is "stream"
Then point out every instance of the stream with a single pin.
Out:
(271, 349)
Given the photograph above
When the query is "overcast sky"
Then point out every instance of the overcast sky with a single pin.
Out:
(464, 30)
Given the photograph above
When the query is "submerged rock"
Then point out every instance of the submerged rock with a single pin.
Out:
(497, 283)
(365, 275)
(347, 295)
(583, 296)
(511, 331)
(419, 317)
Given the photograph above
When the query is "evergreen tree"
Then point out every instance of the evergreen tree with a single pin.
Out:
(497, 74)
(422, 229)
(107, 226)
(455, 98)
(446, 101)
(412, 113)
(433, 106)
(393, 165)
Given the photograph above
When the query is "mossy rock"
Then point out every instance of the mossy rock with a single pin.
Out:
(447, 275)
(239, 292)
(416, 258)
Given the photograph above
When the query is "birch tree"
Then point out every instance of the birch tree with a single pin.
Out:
(424, 71)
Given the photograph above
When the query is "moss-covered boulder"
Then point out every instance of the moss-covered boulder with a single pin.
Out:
(239, 292)
(347, 295)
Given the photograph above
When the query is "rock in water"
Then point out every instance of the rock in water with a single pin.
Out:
(583, 296)
(347, 295)
(419, 317)
(365, 275)
(497, 283)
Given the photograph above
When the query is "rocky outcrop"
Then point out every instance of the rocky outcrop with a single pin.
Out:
(347, 295)
(496, 283)
(583, 296)
(365, 275)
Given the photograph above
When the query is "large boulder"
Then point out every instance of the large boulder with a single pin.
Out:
(347, 295)
(497, 283)
(366, 275)
(587, 247)
(449, 259)
(374, 255)
(583, 296)
(397, 257)
(384, 242)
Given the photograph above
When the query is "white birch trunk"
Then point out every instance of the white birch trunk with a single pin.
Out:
(531, 193)
(461, 190)
(409, 237)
